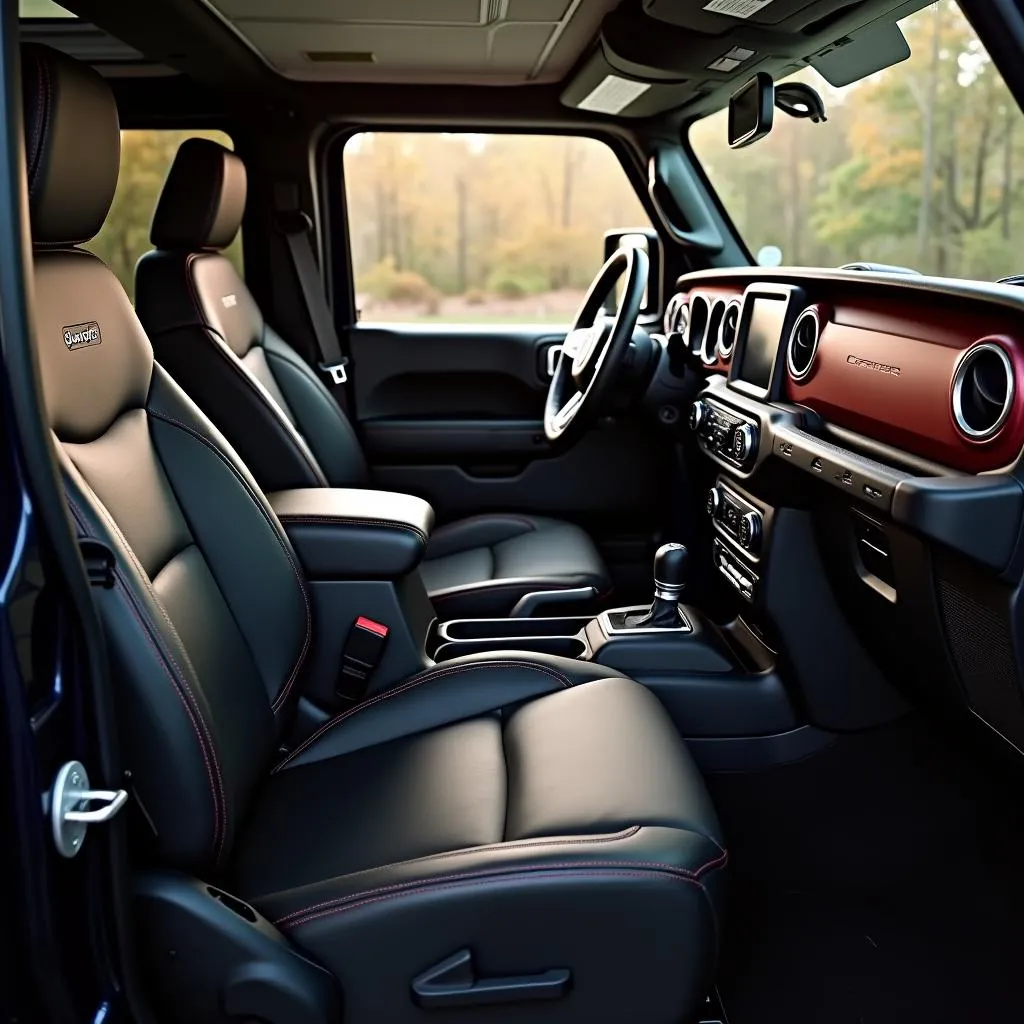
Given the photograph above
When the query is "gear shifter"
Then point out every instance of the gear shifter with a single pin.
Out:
(671, 562)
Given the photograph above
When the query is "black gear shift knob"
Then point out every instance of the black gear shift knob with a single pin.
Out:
(671, 567)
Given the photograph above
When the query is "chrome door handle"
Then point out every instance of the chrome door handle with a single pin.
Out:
(553, 352)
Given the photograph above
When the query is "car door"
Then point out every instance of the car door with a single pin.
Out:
(469, 255)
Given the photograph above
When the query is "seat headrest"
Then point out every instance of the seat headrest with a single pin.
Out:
(203, 199)
(72, 146)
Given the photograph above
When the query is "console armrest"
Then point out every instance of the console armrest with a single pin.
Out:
(344, 534)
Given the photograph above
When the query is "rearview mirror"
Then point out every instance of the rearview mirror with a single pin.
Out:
(751, 111)
(638, 238)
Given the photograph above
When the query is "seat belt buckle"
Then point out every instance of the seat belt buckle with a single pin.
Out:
(338, 372)
(360, 657)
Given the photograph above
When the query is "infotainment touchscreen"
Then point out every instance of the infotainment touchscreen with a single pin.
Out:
(764, 336)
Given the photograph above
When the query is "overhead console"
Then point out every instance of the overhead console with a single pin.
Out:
(663, 54)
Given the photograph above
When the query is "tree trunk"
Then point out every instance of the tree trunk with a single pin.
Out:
(462, 237)
(924, 213)
(1011, 120)
(795, 212)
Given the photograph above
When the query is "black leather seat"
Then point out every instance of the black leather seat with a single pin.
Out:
(542, 813)
(210, 335)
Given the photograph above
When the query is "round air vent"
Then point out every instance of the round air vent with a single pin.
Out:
(709, 350)
(803, 344)
(983, 388)
(697, 323)
(727, 331)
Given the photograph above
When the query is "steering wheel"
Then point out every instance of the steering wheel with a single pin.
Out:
(594, 348)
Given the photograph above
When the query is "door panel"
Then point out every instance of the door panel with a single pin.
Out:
(455, 414)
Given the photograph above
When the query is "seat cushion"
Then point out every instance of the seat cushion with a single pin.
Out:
(483, 565)
(563, 826)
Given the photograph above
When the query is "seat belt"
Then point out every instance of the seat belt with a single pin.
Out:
(296, 227)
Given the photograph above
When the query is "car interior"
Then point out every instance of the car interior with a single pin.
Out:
(436, 656)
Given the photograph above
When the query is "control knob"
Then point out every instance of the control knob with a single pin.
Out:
(750, 531)
(744, 442)
(714, 501)
(698, 414)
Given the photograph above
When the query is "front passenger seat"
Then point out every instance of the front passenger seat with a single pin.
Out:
(500, 822)
(210, 335)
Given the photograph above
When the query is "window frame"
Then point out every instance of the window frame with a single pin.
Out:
(339, 268)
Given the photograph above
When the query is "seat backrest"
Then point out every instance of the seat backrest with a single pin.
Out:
(208, 619)
(210, 335)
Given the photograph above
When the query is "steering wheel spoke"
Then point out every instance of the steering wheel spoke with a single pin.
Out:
(565, 415)
(593, 349)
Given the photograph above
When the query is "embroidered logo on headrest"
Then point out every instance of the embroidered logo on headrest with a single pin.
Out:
(229, 301)
(82, 335)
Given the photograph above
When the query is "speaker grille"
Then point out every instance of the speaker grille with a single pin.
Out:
(975, 614)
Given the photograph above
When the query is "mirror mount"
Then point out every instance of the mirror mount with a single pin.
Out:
(798, 99)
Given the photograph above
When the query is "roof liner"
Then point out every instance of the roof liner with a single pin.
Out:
(472, 42)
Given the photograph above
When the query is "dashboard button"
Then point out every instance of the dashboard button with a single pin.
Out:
(750, 531)
(714, 502)
(744, 442)
(698, 413)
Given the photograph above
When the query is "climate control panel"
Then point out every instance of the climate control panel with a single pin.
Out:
(737, 518)
(725, 434)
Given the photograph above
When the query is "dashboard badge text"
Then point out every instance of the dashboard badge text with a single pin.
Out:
(870, 364)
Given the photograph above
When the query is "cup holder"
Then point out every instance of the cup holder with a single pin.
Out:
(563, 637)
(562, 646)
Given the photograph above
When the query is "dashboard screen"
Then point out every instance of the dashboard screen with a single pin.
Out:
(764, 335)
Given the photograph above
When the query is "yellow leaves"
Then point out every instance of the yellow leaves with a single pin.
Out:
(896, 167)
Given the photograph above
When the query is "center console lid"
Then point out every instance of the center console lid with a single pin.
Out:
(347, 534)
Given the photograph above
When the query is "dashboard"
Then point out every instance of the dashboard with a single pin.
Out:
(865, 433)
(932, 368)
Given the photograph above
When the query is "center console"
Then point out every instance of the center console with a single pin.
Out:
(360, 551)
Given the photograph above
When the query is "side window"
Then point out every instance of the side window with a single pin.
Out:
(480, 229)
(146, 157)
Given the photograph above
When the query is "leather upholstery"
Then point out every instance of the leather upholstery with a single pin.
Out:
(493, 832)
(480, 567)
(345, 534)
(489, 802)
(203, 199)
(72, 147)
(210, 335)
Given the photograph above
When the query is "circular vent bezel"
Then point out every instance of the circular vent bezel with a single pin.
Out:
(808, 315)
(733, 308)
(963, 366)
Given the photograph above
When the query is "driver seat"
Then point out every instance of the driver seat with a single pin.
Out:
(209, 334)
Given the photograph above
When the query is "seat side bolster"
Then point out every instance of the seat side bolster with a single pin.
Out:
(676, 854)
(239, 405)
(326, 429)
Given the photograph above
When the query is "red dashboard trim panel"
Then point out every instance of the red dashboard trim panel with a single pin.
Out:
(895, 387)
(885, 364)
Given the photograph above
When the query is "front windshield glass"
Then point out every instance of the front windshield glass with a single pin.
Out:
(920, 165)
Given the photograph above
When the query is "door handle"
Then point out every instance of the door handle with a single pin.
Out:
(551, 359)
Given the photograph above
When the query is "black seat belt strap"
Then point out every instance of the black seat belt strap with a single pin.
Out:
(296, 227)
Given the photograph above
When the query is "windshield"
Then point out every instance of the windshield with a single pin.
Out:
(920, 165)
